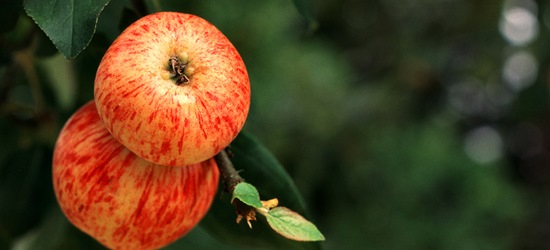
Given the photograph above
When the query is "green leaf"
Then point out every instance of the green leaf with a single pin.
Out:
(292, 225)
(247, 194)
(70, 24)
(258, 166)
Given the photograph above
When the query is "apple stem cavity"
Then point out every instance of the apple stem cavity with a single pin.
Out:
(177, 70)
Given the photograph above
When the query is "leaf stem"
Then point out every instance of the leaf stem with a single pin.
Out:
(230, 176)
(263, 211)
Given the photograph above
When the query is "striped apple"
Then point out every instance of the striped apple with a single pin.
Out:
(121, 200)
(173, 89)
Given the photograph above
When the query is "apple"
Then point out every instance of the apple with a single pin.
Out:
(121, 200)
(172, 89)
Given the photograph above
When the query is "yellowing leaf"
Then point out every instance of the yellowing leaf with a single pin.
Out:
(292, 225)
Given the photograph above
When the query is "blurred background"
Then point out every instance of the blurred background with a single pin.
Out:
(404, 124)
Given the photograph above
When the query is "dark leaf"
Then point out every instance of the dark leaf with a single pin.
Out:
(259, 167)
(70, 24)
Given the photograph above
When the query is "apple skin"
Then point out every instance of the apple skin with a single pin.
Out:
(121, 200)
(148, 112)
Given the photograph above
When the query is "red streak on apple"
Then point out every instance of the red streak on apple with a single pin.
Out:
(153, 116)
(120, 199)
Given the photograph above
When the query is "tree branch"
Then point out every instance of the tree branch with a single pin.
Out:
(230, 176)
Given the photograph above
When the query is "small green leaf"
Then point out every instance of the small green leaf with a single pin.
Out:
(70, 24)
(292, 225)
(248, 194)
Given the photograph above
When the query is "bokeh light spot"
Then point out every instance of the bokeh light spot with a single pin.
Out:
(483, 145)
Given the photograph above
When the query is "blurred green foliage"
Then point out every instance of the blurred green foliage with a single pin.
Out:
(404, 124)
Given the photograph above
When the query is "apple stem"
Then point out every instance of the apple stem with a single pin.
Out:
(230, 176)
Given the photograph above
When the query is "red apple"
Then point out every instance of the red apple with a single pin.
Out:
(121, 200)
(172, 89)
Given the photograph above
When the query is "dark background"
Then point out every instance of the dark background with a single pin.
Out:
(404, 124)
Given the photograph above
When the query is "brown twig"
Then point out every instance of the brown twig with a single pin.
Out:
(230, 179)
(230, 176)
